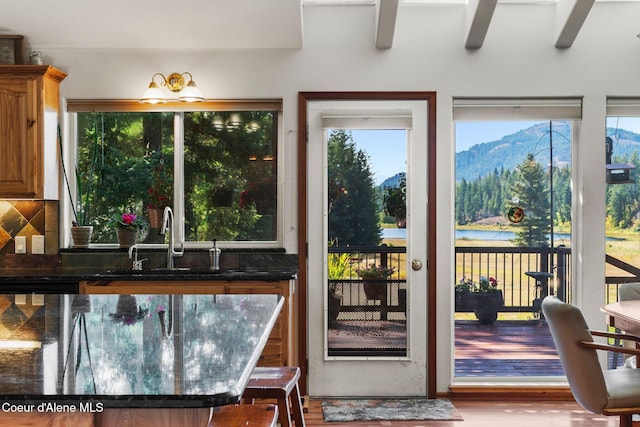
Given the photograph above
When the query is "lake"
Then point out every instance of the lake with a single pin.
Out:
(497, 235)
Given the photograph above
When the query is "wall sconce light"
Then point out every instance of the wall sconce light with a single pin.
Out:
(234, 122)
(175, 82)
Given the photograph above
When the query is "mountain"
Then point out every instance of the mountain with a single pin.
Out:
(393, 181)
(510, 150)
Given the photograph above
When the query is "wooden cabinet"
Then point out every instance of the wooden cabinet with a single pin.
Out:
(279, 350)
(29, 115)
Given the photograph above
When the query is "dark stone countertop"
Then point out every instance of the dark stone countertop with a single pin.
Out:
(62, 274)
(133, 350)
(64, 281)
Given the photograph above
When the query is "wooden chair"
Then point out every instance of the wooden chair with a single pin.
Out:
(281, 384)
(606, 392)
(245, 415)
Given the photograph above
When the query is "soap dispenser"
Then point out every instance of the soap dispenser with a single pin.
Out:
(214, 257)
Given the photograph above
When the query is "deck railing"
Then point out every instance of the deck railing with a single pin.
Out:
(509, 265)
(515, 270)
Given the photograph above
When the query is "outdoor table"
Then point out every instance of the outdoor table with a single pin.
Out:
(541, 278)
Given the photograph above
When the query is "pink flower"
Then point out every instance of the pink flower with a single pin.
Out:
(128, 218)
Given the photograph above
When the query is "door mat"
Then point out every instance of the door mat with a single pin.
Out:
(341, 410)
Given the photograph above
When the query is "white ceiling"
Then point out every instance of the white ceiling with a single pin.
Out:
(151, 24)
(228, 24)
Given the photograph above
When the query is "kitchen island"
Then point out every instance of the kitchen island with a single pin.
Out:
(101, 359)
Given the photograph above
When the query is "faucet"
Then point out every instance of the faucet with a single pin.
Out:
(167, 225)
(133, 253)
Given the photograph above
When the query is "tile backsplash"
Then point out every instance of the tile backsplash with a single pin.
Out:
(28, 218)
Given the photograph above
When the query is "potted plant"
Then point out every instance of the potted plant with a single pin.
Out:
(374, 280)
(395, 202)
(463, 298)
(338, 267)
(127, 226)
(488, 300)
(160, 192)
(127, 311)
(81, 230)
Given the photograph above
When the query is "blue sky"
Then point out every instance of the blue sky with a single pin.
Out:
(631, 124)
(388, 151)
(468, 134)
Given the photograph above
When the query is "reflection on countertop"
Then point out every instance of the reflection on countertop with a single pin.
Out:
(139, 350)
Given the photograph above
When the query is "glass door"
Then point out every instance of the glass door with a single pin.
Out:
(367, 183)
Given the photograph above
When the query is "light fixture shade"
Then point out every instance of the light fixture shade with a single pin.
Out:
(253, 126)
(153, 95)
(218, 122)
(176, 84)
(191, 93)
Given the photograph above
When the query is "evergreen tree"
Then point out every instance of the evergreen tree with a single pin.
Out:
(533, 194)
(353, 219)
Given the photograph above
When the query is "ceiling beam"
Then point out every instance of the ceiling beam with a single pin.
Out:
(570, 15)
(387, 10)
(481, 12)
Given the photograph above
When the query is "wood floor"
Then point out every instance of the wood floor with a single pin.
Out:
(504, 349)
(490, 414)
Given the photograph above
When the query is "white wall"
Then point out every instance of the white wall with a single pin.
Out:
(517, 59)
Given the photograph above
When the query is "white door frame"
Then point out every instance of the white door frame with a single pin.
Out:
(386, 376)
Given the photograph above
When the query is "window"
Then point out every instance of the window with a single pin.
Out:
(216, 167)
(513, 232)
(623, 193)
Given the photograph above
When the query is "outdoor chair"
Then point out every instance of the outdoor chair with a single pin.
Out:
(606, 392)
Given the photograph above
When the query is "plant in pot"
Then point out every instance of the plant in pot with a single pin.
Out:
(81, 230)
(463, 297)
(487, 300)
(338, 268)
(395, 202)
(374, 280)
(127, 226)
(160, 191)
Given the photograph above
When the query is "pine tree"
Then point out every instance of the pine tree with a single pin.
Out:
(533, 195)
(354, 218)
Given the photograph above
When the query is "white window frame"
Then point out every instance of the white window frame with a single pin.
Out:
(70, 147)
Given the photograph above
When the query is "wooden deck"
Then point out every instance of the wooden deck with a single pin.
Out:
(505, 349)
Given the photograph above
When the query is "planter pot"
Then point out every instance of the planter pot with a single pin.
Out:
(155, 217)
(127, 311)
(487, 305)
(464, 301)
(375, 288)
(127, 238)
(333, 308)
(81, 236)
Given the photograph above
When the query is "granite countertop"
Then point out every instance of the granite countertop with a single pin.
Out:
(134, 350)
(73, 266)
(44, 277)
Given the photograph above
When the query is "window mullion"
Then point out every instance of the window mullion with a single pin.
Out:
(178, 175)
